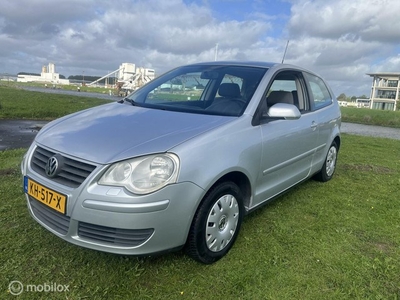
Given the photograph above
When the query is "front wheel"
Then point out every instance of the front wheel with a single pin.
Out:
(329, 166)
(216, 223)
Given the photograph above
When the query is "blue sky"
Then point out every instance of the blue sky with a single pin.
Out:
(243, 10)
(277, 12)
(339, 39)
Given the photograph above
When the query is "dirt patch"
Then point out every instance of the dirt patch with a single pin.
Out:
(7, 172)
(368, 168)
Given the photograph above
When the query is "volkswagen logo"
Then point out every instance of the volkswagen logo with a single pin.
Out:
(52, 166)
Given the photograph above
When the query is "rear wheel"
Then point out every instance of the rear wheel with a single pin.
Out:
(216, 223)
(329, 167)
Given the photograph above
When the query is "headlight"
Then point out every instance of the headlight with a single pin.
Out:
(143, 175)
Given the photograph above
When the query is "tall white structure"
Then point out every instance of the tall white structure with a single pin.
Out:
(48, 74)
(130, 77)
(385, 91)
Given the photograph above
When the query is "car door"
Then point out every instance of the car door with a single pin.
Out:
(321, 103)
(288, 146)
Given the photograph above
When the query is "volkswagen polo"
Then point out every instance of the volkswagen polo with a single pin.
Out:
(180, 161)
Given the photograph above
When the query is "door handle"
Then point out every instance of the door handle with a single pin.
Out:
(314, 125)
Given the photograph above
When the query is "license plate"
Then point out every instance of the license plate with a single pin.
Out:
(45, 195)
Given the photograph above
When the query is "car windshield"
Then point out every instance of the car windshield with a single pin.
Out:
(205, 89)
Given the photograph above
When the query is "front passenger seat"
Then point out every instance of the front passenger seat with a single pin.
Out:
(280, 97)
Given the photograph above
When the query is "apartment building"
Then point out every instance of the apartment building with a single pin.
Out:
(385, 91)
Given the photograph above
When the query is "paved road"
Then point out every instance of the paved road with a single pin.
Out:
(20, 133)
(369, 130)
(74, 93)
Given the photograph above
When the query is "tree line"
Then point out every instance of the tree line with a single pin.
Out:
(343, 97)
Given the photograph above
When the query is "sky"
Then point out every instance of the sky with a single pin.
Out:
(341, 40)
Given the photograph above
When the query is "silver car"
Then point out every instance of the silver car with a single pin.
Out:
(179, 162)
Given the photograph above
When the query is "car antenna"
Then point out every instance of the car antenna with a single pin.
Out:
(284, 54)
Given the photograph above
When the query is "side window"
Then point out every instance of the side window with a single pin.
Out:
(287, 87)
(320, 96)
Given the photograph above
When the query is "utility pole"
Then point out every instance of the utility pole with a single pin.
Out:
(216, 52)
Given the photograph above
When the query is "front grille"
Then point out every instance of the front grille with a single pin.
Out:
(114, 236)
(72, 173)
(50, 217)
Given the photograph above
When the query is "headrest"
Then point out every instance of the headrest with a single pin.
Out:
(280, 97)
(229, 90)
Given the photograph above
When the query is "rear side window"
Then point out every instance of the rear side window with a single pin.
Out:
(320, 96)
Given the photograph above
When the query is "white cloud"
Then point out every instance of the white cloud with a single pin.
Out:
(339, 39)
(368, 20)
(390, 64)
(343, 39)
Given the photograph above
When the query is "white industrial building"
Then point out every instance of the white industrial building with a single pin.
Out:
(129, 77)
(47, 75)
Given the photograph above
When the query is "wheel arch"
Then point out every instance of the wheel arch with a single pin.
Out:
(194, 246)
(241, 180)
(337, 140)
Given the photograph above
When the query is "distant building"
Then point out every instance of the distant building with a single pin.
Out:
(363, 103)
(129, 77)
(385, 91)
(48, 75)
(7, 77)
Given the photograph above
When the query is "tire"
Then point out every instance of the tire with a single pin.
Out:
(216, 223)
(329, 167)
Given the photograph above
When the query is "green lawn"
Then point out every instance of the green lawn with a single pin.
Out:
(338, 240)
(371, 116)
(71, 87)
(21, 104)
(335, 240)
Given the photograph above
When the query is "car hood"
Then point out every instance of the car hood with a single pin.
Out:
(114, 132)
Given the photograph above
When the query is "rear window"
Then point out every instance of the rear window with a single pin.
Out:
(319, 92)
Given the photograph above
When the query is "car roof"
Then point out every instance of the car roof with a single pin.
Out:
(261, 64)
(258, 64)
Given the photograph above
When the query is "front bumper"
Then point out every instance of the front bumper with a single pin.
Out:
(113, 220)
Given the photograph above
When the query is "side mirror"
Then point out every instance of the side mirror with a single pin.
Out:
(284, 111)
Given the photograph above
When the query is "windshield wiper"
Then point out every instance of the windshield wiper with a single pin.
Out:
(128, 100)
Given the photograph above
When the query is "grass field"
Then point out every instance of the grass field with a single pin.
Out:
(371, 116)
(71, 87)
(338, 240)
(22, 104)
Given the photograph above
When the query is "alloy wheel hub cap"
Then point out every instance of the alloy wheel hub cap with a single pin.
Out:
(222, 223)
